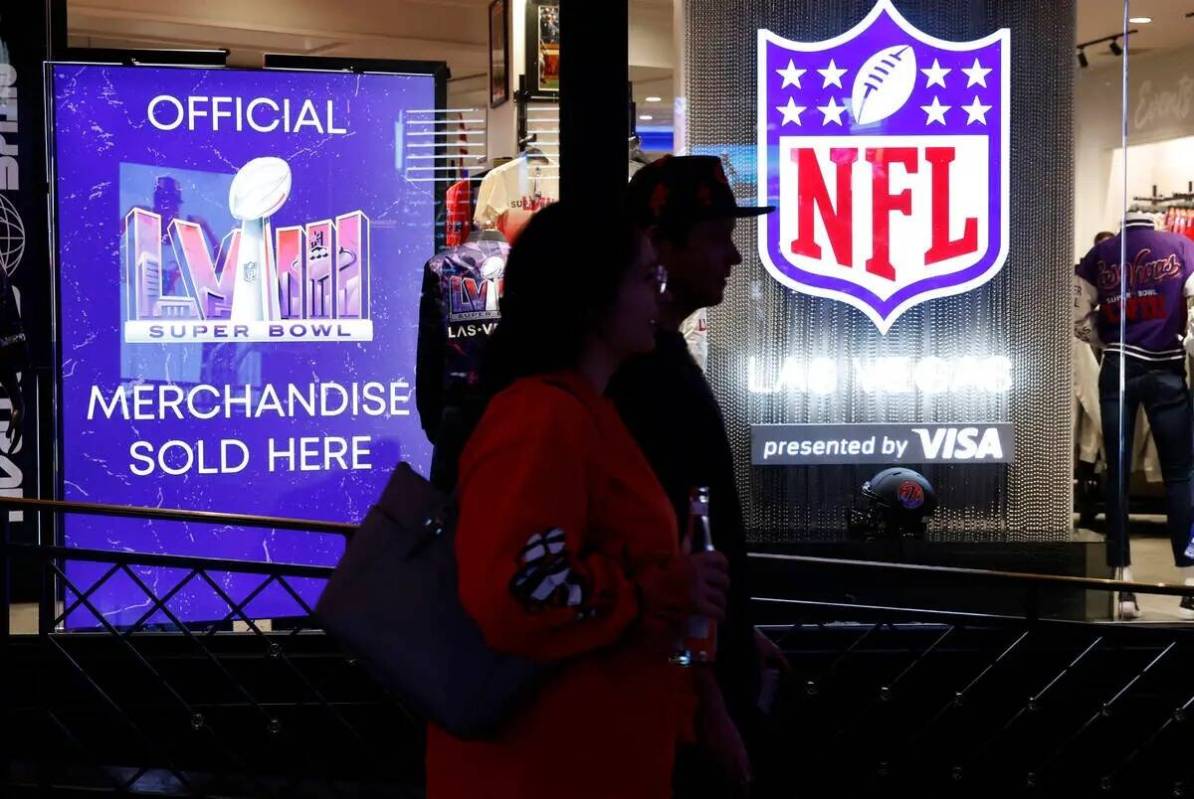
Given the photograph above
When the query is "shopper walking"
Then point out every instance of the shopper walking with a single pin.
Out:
(566, 543)
(687, 209)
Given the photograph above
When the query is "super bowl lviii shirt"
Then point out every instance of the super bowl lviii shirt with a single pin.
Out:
(1159, 278)
(457, 314)
(526, 184)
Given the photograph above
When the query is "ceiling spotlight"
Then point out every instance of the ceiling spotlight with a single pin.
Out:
(1082, 59)
(1140, 20)
(654, 99)
(1115, 48)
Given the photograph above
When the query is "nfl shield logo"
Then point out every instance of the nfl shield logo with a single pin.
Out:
(886, 153)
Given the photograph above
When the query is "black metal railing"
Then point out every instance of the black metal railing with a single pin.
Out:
(161, 704)
(887, 699)
(883, 697)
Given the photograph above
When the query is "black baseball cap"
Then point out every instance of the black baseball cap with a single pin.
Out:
(683, 190)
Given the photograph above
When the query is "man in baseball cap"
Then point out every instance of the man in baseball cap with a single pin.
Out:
(686, 207)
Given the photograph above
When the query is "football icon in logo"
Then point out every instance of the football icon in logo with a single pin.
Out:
(884, 84)
(260, 188)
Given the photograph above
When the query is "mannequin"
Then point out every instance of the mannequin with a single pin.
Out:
(1148, 348)
(457, 313)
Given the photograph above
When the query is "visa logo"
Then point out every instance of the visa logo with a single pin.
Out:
(960, 443)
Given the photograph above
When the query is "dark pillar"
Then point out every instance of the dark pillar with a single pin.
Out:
(30, 33)
(594, 68)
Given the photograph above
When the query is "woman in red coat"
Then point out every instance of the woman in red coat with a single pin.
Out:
(566, 544)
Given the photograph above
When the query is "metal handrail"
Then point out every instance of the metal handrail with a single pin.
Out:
(8, 549)
(174, 515)
(1029, 578)
(346, 529)
(258, 567)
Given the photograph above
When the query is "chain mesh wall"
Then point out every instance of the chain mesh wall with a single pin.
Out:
(1023, 313)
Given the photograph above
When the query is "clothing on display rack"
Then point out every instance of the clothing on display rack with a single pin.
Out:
(1159, 278)
(458, 200)
(511, 193)
(457, 314)
(1155, 213)
(1160, 265)
(1088, 421)
(1180, 220)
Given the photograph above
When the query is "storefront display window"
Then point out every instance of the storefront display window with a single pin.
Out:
(938, 169)
(894, 310)
(295, 260)
(1142, 283)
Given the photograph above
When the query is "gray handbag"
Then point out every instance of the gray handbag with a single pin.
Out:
(392, 601)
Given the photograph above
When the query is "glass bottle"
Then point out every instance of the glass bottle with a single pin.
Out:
(700, 641)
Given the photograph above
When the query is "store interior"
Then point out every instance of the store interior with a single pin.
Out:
(1154, 174)
(454, 31)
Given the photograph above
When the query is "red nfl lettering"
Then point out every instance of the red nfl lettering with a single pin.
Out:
(814, 195)
(943, 247)
(884, 203)
(814, 201)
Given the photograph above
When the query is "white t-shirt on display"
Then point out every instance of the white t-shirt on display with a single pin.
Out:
(522, 184)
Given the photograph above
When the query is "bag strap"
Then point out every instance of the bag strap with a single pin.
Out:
(410, 502)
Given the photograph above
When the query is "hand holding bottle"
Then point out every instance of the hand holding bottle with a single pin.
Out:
(686, 585)
(710, 586)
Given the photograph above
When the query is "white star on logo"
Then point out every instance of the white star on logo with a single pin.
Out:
(791, 112)
(977, 112)
(832, 75)
(833, 110)
(791, 75)
(976, 74)
(936, 111)
(936, 74)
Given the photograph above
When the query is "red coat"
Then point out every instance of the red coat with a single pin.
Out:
(559, 511)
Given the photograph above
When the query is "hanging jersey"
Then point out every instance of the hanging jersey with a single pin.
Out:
(1159, 278)
(523, 184)
(458, 200)
(457, 314)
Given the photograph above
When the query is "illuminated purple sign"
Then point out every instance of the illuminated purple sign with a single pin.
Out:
(886, 152)
(239, 267)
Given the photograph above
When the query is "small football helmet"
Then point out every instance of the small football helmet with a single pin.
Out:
(897, 502)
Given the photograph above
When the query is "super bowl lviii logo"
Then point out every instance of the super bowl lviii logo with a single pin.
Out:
(306, 282)
(886, 152)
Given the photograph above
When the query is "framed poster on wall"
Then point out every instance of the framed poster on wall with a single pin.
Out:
(499, 53)
(543, 48)
(238, 276)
